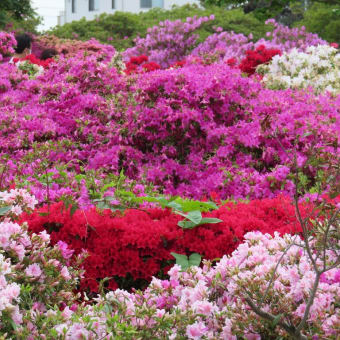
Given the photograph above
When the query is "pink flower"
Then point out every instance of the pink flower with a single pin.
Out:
(196, 330)
(44, 236)
(33, 270)
(65, 273)
(65, 251)
(66, 313)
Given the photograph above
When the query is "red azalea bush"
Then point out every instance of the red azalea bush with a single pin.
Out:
(140, 64)
(254, 58)
(35, 60)
(132, 247)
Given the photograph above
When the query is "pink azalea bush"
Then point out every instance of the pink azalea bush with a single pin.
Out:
(226, 45)
(209, 302)
(34, 277)
(187, 131)
(7, 44)
(168, 42)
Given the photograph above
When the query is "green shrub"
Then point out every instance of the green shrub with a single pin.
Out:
(324, 20)
(120, 28)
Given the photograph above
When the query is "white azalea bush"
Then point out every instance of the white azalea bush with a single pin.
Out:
(318, 67)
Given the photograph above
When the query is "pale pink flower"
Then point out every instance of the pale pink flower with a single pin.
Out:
(196, 330)
(65, 273)
(33, 270)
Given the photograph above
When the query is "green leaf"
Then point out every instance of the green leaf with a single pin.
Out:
(74, 208)
(107, 186)
(186, 224)
(195, 259)
(277, 320)
(5, 210)
(79, 177)
(174, 205)
(181, 260)
(194, 216)
(210, 220)
(189, 224)
(185, 262)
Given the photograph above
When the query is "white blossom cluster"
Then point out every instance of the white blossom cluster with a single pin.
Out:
(318, 67)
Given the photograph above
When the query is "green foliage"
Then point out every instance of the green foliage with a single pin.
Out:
(190, 209)
(4, 210)
(19, 14)
(185, 262)
(176, 203)
(323, 19)
(123, 27)
(194, 219)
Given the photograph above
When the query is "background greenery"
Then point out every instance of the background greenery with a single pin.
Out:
(121, 28)
(18, 15)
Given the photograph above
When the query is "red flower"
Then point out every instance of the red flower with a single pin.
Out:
(133, 247)
(260, 56)
(151, 66)
(178, 64)
(231, 62)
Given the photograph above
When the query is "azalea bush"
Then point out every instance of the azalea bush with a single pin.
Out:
(182, 131)
(318, 67)
(228, 44)
(7, 44)
(169, 41)
(35, 276)
(207, 302)
(139, 243)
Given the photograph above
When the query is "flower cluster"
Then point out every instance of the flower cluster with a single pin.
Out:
(187, 131)
(73, 47)
(17, 201)
(318, 67)
(138, 244)
(7, 42)
(286, 38)
(209, 302)
(260, 56)
(168, 42)
(33, 275)
(140, 64)
(226, 45)
(34, 60)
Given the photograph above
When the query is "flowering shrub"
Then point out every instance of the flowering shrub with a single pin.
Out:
(255, 58)
(168, 42)
(140, 64)
(34, 60)
(33, 275)
(138, 244)
(318, 67)
(72, 47)
(7, 42)
(32, 65)
(226, 45)
(287, 38)
(187, 131)
(15, 201)
(210, 302)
